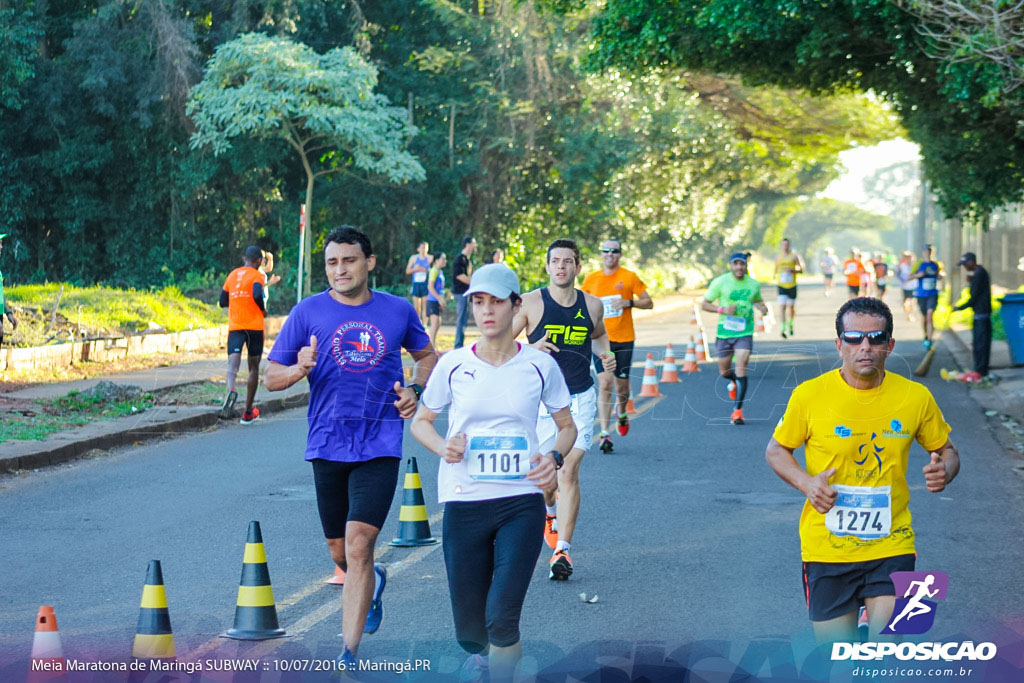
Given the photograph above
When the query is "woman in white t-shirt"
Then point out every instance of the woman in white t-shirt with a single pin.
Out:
(492, 474)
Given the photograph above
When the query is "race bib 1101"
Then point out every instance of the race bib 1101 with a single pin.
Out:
(503, 456)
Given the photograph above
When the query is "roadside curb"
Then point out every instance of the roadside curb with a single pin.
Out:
(125, 431)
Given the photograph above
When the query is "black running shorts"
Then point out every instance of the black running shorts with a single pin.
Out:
(354, 492)
(623, 359)
(833, 589)
(251, 339)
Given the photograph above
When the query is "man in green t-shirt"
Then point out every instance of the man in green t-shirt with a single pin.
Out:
(4, 310)
(734, 296)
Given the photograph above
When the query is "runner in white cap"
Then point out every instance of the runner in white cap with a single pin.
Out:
(492, 472)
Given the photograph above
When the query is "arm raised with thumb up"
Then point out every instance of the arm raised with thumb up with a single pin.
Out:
(819, 492)
(817, 489)
(942, 467)
(307, 355)
(278, 376)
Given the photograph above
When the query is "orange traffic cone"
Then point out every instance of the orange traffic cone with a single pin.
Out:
(649, 386)
(693, 314)
(702, 346)
(690, 360)
(339, 577)
(758, 323)
(669, 371)
(630, 408)
(47, 654)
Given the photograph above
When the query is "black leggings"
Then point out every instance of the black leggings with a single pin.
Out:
(490, 550)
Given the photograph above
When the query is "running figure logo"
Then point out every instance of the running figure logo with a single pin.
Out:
(914, 613)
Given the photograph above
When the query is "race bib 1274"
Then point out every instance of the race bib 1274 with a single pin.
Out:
(861, 511)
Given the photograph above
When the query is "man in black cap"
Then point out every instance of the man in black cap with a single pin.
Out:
(3, 302)
(981, 302)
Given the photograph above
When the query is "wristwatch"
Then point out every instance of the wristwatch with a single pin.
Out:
(416, 389)
(559, 460)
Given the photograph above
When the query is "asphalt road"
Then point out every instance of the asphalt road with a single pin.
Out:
(686, 536)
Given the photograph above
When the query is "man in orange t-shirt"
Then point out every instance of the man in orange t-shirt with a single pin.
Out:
(242, 295)
(616, 287)
(853, 269)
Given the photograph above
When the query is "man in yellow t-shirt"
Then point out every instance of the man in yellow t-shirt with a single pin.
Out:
(787, 265)
(620, 291)
(857, 425)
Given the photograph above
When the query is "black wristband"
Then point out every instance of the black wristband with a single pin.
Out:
(416, 389)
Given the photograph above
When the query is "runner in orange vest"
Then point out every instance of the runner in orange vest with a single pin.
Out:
(242, 295)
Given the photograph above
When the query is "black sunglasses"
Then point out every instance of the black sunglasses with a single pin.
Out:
(611, 251)
(875, 337)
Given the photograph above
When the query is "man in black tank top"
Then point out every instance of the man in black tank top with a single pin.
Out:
(567, 323)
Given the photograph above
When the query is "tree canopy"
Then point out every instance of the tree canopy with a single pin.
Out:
(953, 104)
(323, 106)
(518, 142)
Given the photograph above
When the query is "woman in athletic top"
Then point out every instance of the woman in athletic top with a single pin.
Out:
(492, 474)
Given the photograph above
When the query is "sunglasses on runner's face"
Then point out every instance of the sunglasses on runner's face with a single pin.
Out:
(611, 251)
(875, 337)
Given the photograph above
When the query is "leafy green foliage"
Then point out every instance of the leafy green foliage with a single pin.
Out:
(517, 142)
(970, 142)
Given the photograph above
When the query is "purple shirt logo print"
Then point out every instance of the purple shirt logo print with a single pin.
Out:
(358, 346)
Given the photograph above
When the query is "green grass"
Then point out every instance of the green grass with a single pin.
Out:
(103, 311)
(67, 412)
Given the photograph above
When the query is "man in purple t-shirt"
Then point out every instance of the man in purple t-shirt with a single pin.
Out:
(348, 342)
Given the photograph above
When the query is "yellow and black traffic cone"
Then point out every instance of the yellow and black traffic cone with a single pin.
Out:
(413, 527)
(153, 637)
(255, 613)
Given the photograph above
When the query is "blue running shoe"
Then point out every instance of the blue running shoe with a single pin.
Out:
(376, 608)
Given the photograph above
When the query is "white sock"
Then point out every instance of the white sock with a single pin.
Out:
(376, 582)
(562, 545)
(552, 509)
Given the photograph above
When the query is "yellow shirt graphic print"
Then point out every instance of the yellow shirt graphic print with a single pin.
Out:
(866, 435)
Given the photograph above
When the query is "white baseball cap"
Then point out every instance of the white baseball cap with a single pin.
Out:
(495, 279)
